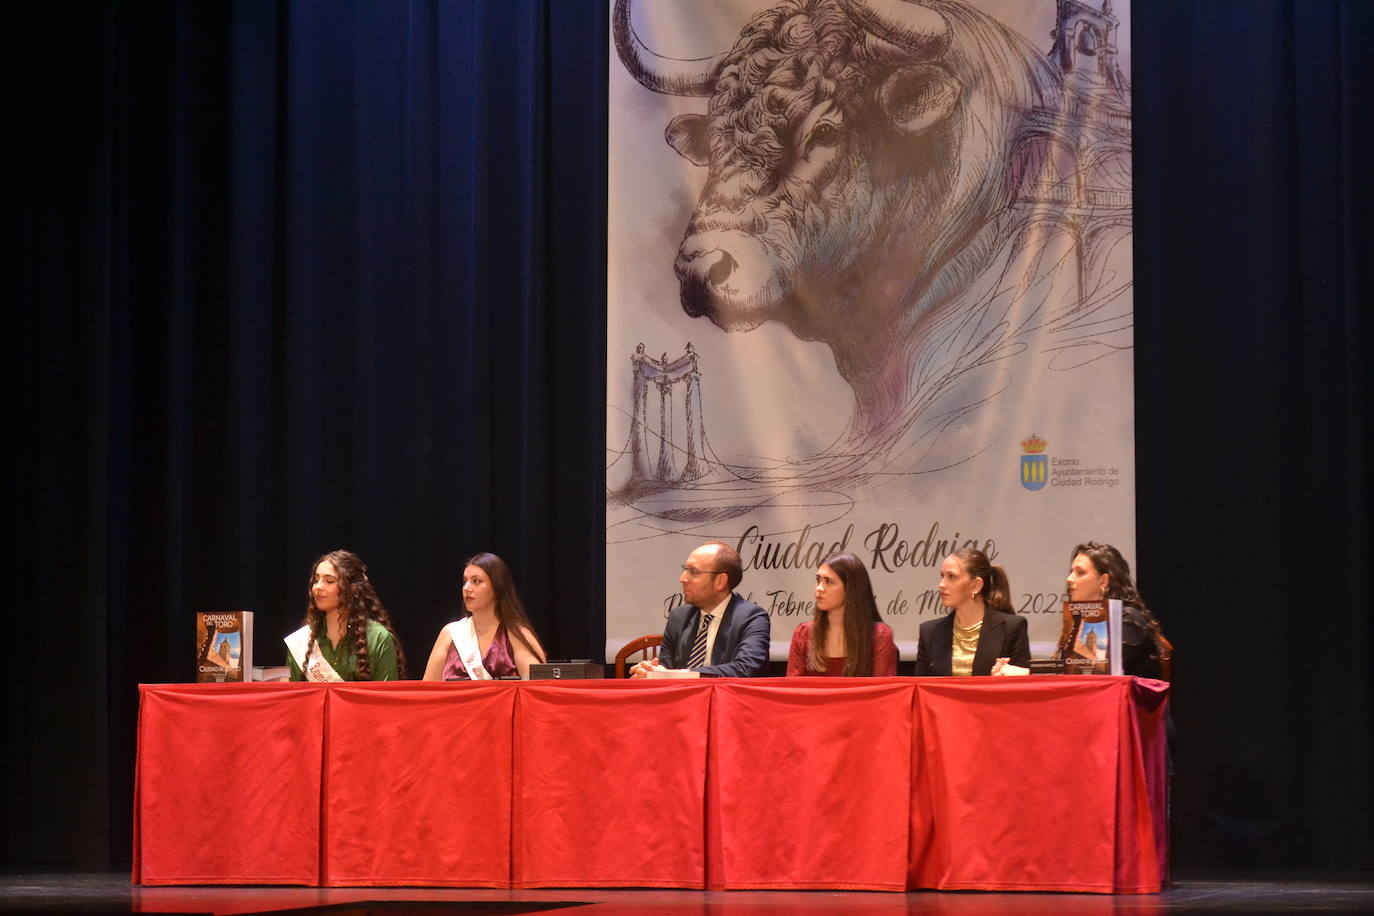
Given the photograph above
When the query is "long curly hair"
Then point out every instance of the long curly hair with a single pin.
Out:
(860, 613)
(510, 611)
(1108, 561)
(359, 603)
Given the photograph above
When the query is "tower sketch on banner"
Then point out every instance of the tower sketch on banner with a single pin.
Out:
(918, 187)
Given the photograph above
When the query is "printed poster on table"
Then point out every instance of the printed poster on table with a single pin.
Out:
(870, 288)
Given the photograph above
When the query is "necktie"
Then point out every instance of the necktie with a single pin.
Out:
(698, 657)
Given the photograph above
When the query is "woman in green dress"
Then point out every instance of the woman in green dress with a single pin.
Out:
(347, 634)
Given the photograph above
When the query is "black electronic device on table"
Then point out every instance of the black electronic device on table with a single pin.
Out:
(576, 669)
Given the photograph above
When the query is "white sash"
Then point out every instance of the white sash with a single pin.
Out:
(464, 636)
(316, 669)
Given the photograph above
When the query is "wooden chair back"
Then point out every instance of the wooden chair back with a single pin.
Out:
(645, 644)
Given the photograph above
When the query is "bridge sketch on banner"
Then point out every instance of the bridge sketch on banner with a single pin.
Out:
(908, 228)
(663, 376)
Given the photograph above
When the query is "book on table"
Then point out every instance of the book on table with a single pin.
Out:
(224, 646)
(1090, 639)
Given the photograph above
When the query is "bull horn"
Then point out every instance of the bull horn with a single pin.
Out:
(919, 29)
(669, 75)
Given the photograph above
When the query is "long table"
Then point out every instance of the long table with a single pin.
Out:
(1040, 783)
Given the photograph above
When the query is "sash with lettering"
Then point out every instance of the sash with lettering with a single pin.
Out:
(464, 636)
(316, 668)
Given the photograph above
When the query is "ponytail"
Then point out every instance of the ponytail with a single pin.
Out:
(996, 592)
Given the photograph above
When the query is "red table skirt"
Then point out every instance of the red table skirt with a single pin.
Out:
(1052, 784)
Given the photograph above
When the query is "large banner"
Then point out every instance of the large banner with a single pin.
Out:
(869, 279)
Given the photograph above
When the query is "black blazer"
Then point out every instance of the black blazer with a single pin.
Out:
(741, 647)
(1003, 636)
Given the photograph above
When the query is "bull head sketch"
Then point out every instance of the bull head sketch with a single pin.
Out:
(856, 155)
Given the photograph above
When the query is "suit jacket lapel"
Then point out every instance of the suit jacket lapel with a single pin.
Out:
(990, 643)
(722, 648)
(942, 647)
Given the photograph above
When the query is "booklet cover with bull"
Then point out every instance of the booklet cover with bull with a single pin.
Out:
(1090, 641)
(224, 646)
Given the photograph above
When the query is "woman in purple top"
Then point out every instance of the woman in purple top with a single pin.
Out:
(495, 639)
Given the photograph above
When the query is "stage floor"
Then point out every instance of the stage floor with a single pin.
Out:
(1346, 892)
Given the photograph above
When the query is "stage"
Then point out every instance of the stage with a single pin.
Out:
(1195, 892)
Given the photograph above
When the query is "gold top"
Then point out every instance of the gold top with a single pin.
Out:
(965, 645)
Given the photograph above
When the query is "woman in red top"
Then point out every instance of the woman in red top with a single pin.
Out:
(846, 637)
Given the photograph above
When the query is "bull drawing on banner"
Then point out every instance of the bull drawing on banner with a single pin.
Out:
(876, 173)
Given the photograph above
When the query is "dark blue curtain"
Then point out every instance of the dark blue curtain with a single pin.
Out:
(287, 276)
(293, 276)
(1254, 179)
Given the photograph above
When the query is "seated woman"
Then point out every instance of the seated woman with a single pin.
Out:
(847, 636)
(982, 633)
(347, 635)
(495, 639)
(1099, 571)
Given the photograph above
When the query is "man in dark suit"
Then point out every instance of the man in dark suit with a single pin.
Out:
(716, 632)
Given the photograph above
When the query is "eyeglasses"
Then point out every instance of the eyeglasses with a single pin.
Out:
(694, 572)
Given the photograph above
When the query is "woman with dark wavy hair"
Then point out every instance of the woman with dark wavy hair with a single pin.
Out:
(1099, 571)
(847, 636)
(982, 633)
(495, 639)
(347, 634)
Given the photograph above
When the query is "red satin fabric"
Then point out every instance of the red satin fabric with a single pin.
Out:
(884, 784)
(1031, 784)
(227, 785)
(809, 789)
(611, 779)
(1142, 867)
(417, 784)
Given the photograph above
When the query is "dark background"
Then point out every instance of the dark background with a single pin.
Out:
(292, 276)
